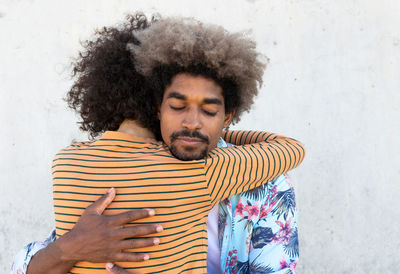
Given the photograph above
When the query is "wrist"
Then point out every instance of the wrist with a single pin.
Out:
(63, 249)
(51, 259)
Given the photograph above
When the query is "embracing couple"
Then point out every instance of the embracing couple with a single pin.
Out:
(158, 95)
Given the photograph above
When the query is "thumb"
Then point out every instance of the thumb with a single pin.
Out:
(102, 203)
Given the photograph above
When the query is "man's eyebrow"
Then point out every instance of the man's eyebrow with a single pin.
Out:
(176, 95)
(215, 101)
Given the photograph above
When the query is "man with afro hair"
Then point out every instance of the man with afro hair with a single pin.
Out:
(201, 78)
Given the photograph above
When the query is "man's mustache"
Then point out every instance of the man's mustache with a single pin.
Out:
(187, 133)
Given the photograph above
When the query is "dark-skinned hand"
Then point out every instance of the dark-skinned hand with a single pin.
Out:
(103, 238)
(96, 238)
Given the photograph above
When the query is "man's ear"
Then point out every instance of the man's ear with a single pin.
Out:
(228, 119)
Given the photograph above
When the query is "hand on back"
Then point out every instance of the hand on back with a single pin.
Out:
(103, 238)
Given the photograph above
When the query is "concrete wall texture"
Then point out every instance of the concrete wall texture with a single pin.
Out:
(333, 81)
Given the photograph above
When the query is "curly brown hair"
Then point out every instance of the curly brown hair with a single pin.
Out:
(107, 87)
(174, 45)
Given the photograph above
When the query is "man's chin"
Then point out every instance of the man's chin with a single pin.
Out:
(188, 155)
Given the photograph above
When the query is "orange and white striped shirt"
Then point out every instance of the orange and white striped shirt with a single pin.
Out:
(146, 175)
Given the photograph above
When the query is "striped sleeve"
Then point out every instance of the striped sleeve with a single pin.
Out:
(259, 157)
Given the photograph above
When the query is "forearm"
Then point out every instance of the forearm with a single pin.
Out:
(289, 153)
(50, 260)
(245, 137)
(237, 169)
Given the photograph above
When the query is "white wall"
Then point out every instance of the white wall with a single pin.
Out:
(333, 82)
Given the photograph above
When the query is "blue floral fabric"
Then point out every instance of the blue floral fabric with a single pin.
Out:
(24, 256)
(258, 229)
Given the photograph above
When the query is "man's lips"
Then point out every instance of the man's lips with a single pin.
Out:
(189, 140)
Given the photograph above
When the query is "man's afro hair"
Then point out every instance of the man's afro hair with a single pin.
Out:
(186, 42)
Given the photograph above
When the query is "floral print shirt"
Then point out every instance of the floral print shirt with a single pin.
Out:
(258, 229)
(257, 232)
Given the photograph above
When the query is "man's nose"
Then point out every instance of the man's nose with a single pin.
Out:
(192, 120)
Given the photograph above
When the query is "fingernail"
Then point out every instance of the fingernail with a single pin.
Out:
(151, 212)
(109, 191)
(159, 228)
(146, 257)
(109, 265)
(156, 241)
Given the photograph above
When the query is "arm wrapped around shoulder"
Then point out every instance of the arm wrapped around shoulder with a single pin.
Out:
(259, 157)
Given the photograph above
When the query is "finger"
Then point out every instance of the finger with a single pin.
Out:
(114, 269)
(131, 215)
(131, 257)
(101, 204)
(138, 230)
(136, 243)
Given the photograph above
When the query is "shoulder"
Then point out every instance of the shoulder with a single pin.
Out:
(282, 183)
(76, 146)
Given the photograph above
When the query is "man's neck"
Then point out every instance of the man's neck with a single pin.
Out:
(134, 128)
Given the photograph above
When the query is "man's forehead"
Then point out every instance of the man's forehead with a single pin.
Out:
(188, 87)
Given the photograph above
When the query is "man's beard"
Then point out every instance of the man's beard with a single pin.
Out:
(188, 154)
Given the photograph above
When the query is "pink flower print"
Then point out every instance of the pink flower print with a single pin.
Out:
(283, 235)
(231, 260)
(239, 209)
(273, 190)
(264, 211)
(272, 195)
(292, 266)
(253, 210)
(283, 264)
